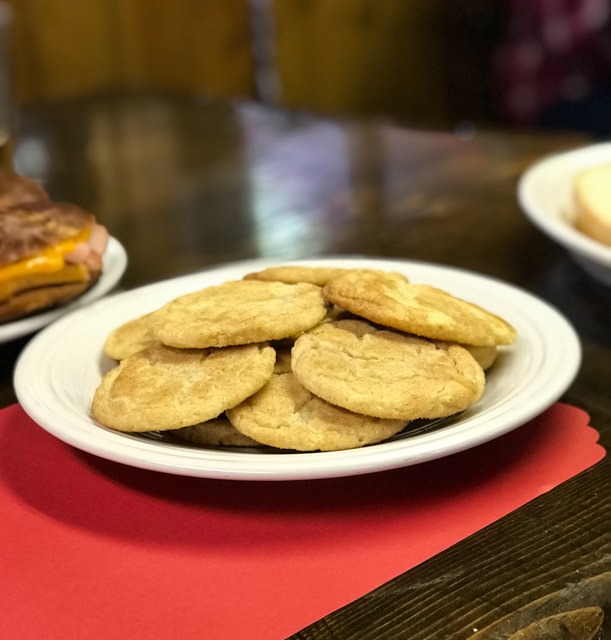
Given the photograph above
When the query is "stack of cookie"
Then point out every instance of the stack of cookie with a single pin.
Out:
(300, 358)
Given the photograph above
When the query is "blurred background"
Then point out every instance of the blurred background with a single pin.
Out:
(428, 63)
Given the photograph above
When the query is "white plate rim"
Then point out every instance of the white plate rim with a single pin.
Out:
(115, 263)
(565, 165)
(551, 371)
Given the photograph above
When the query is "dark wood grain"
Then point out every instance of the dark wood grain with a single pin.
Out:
(558, 539)
(186, 184)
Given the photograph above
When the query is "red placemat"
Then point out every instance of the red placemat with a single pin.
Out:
(96, 549)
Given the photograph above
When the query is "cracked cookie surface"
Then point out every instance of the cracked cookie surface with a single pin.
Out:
(292, 274)
(129, 338)
(385, 374)
(420, 309)
(238, 312)
(285, 415)
(162, 388)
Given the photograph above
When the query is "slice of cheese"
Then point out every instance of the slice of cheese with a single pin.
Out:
(69, 274)
(50, 260)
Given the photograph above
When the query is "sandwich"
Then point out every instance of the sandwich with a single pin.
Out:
(50, 253)
(593, 200)
(16, 189)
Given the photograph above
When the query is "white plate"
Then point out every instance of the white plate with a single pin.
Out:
(115, 262)
(59, 370)
(545, 194)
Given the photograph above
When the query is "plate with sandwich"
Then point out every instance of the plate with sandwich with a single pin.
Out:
(54, 257)
(568, 197)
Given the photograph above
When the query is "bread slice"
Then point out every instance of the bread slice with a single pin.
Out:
(593, 201)
(30, 301)
(16, 190)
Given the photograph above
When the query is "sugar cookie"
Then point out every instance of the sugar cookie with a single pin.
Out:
(292, 274)
(214, 433)
(420, 309)
(239, 312)
(129, 338)
(163, 388)
(385, 374)
(285, 415)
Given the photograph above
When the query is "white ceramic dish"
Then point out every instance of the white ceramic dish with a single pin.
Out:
(115, 262)
(59, 370)
(545, 194)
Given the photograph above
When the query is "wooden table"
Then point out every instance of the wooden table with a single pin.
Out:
(186, 183)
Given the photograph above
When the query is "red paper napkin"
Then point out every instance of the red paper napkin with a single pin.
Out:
(96, 549)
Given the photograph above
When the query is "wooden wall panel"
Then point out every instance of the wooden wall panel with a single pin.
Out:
(76, 47)
(187, 44)
(362, 56)
(62, 47)
(386, 57)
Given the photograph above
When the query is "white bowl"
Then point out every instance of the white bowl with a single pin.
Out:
(545, 194)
